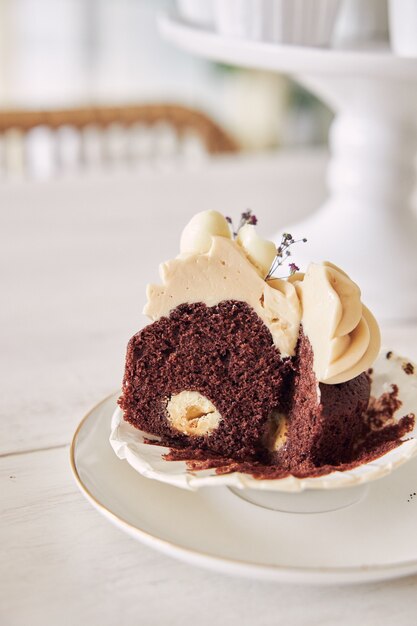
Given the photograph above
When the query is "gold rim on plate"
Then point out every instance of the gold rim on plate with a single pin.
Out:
(193, 555)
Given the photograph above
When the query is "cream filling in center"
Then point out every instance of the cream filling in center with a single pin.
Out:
(191, 413)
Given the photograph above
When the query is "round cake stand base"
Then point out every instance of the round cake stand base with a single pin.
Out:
(310, 501)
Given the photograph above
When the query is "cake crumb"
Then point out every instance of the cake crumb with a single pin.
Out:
(408, 368)
(389, 354)
(381, 410)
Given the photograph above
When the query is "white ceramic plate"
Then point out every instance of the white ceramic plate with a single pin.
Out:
(373, 539)
(128, 443)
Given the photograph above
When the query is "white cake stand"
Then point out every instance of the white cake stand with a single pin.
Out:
(366, 225)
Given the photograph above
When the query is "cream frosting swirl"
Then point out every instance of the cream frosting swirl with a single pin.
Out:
(213, 267)
(343, 333)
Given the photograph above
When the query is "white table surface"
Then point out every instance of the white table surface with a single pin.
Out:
(75, 256)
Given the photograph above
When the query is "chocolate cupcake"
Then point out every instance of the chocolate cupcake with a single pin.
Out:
(244, 366)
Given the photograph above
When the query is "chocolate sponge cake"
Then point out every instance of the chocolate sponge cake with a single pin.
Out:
(223, 353)
(241, 365)
(322, 425)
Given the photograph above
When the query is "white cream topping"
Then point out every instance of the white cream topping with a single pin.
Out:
(343, 333)
(196, 236)
(260, 252)
(213, 267)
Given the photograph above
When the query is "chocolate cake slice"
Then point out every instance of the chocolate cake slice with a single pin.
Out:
(324, 423)
(239, 365)
(222, 356)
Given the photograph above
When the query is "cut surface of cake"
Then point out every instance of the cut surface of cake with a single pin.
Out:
(238, 366)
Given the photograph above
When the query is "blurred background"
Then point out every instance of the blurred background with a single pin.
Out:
(60, 54)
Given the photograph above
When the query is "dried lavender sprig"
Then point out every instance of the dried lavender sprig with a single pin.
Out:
(283, 253)
(246, 217)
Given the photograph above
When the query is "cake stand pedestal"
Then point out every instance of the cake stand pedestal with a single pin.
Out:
(366, 226)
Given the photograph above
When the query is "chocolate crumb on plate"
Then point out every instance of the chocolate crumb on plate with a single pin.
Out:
(408, 368)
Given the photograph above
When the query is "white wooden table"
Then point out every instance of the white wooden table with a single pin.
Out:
(75, 258)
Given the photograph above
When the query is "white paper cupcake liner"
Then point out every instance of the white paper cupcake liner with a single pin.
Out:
(298, 22)
(128, 443)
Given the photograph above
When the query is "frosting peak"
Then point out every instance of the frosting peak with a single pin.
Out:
(260, 252)
(197, 235)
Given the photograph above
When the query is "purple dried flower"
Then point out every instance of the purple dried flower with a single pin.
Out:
(283, 253)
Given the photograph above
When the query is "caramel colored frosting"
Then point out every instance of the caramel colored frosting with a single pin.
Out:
(213, 267)
(343, 333)
(225, 273)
